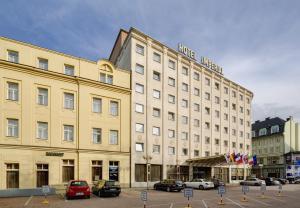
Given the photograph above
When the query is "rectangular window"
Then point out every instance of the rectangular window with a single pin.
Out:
(196, 76)
(97, 135)
(184, 103)
(196, 122)
(13, 56)
(225, 90)
(248, 100)
(12, 175)
(12, 127)
(184, 136)
(97, 105)
(97, 170)
(114, 170)
(68, 170)
(114, 108)
(156, 57)
(185, 71)
(233, 106)
(171, 64)
(42, 130)
(217, 86)
(196, 138)
(225, 116)
(139, 108)
(139, 49)
(155, 130)
(156, 149)
(207, 153)
(196, 153)
(171, 133)
(233, 94)
(225, 143)
(233, 119)
(13, 91)
(171, 82)
(43, 63)
(185, 87)
(207, 110)
(42, 98)
(69, 70)
(184, 119)
(156, 94)
(217, 128)
(241, 145)
(207, 81)
(241, 109)
(139, 68)
(225, 103)
(233, 132)
(196, 107)
(139, 147)
(69, 133)
(241, 97)
(113, 137)
(69, 101)
(171, 99)
(217, 142)
(217, 100)
(42, 175)
(241, 121)
(196, 91)
(139, 88)
(171, 116)
(156, 112)
(156, 75)
(217, 114)
(139, 127)
(207, 96)
(226, 130)
(207, 140)
(207, 125)
(241, 133)
(110, 79)
(103, 77)
(184, 151)
(171, 150)
(140, 172)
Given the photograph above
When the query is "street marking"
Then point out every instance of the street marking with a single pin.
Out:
(28, 201)
(235, 203)
(204, 203)
(278, 199)
(171, 206)
(259, 202)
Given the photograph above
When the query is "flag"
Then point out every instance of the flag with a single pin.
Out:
(237, 157)
(250, 160)
(254, 160)
(227, 157)
(240, 159)
(232, 157)
(245, 158)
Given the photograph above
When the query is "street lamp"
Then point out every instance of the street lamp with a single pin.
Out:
(148, 158)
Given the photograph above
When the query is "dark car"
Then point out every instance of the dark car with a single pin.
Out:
(169, 185)
(271, 181)
(78, 188)
(218, 182)
(282, 180)
(106, 188)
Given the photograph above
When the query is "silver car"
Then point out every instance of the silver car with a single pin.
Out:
(252, 182)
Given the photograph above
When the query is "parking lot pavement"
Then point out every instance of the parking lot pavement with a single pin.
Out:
(130, 198)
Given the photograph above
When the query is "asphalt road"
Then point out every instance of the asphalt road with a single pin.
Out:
(290, 198)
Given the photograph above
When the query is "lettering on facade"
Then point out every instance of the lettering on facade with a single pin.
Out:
(211, 65)
(186, 51)
(55, 154)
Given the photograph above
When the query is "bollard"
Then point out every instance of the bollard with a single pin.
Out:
(221, 202)
(279, 190)
(45, 201)
(244, 199)
(244, 190)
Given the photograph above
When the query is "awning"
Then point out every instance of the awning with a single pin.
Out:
(208, 161)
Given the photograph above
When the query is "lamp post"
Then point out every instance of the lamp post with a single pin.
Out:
(148, 159)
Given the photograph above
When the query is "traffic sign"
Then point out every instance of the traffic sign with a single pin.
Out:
(144, 196)
(245, 189)
(263, 187)
(188, 192)
(221, 190)
(45, 190)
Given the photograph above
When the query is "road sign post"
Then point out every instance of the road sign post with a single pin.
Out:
(245, 189)
(263, 189)
(46, 191)
(188, 193)
(144, 197)
(221, 192)
(279, 190)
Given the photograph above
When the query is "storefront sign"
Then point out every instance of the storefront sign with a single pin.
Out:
(186, 51)
(55, 154)
(211, 65)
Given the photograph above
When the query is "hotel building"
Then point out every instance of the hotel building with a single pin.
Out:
(181, 110)
(61, 118)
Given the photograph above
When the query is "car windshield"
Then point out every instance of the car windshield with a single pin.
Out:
(110, 183)
(79, 183)
(205, 180)
(178, 182)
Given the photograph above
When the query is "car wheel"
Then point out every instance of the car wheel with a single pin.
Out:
(201, 187)
(168, 189)
(99, 193)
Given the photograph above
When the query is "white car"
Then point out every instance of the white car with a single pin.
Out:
(199, 184)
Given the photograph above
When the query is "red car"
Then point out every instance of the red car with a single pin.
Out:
(78, 188)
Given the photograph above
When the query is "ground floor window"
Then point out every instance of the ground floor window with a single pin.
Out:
(140, 172)
(96, 170)
(237, 174)
(114, 170)
(68, 170)
(184, 173)
(156, 173)
(12, 175)
(202, 172)
(221, 173)
(171, 172)
(42, 175)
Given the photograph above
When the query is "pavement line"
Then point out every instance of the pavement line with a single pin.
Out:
(204, 203)
(28, 201)
(171, 206)
(259, 202)
(277, 199)
(235, 202)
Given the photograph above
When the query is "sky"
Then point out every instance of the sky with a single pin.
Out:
(256, 42)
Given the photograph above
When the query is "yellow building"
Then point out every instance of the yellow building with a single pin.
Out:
(61, 118)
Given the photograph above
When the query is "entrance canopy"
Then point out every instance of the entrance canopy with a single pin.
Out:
(208, 161)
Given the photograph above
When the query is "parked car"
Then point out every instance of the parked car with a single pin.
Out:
(106, 188)
(282, 180)
(218, 182)
(78, 188)
(199, 184)
(297, 181)
(271, 181)
(169, 185)
(252, 182)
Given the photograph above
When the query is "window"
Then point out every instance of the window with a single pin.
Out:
(225, 116)
(68, 170)
(196, 153)
(113, 170)
(233, 144)
(217, 128)
(171, 150)
(171, 116)
(184, 119)
(109, 79)
(96, 170)
(233, 132)
(217, 114)
(241, 97)
(139, 69)
(42, 175)
(185, 71)
(139, 88)
(196, 107)
(139, 147)
(226, 130)
(12, 127)
(171, 64)
(207, 110)
(247, 146)
(114, 108)
(171, 82)
(248, 100)
(140, 172)
(12, 175)
(217, 100)
(196, 76)
(248, 112)
(97, 105)
(241, 133)
(139, 108)
(156, 94)
(139, 127)
(113, 137)
(185, 87)
(156, 149)
(139, 49)
(274, 129)
(171, 133)
(207, 140)
(207, 125)
(233, 94)
(225, 90)
(253, 133)
(102, 77)
(155, 130)
(241, 121)
(156, 75)
(156, 112)
(241, 145)
(69, 133)
(69, 70)
(207, 96)
(42, 130)
(217, 86)
(42, 98)
(43, 63)
(196, 138)
(207, 153)
(196, 91)
(97, 134)
(13, 91)
(207, 81)
(241, 109)
(13, 56)
(225, 143)
(184, 136)
(69, 100)
(184, 103)
(233, 106)
(233, 119)
(225, 103)
(196, 122)
(171, 99)
(217, 142)
(248, 136)
(156, 57)
(184, 151)
(262, 132)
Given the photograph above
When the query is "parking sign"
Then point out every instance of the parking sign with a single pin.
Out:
(144, 196)
(221, 190)
(188, 192)
(45, 190)
(280, 187)
(245, 189)
(263, 187)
